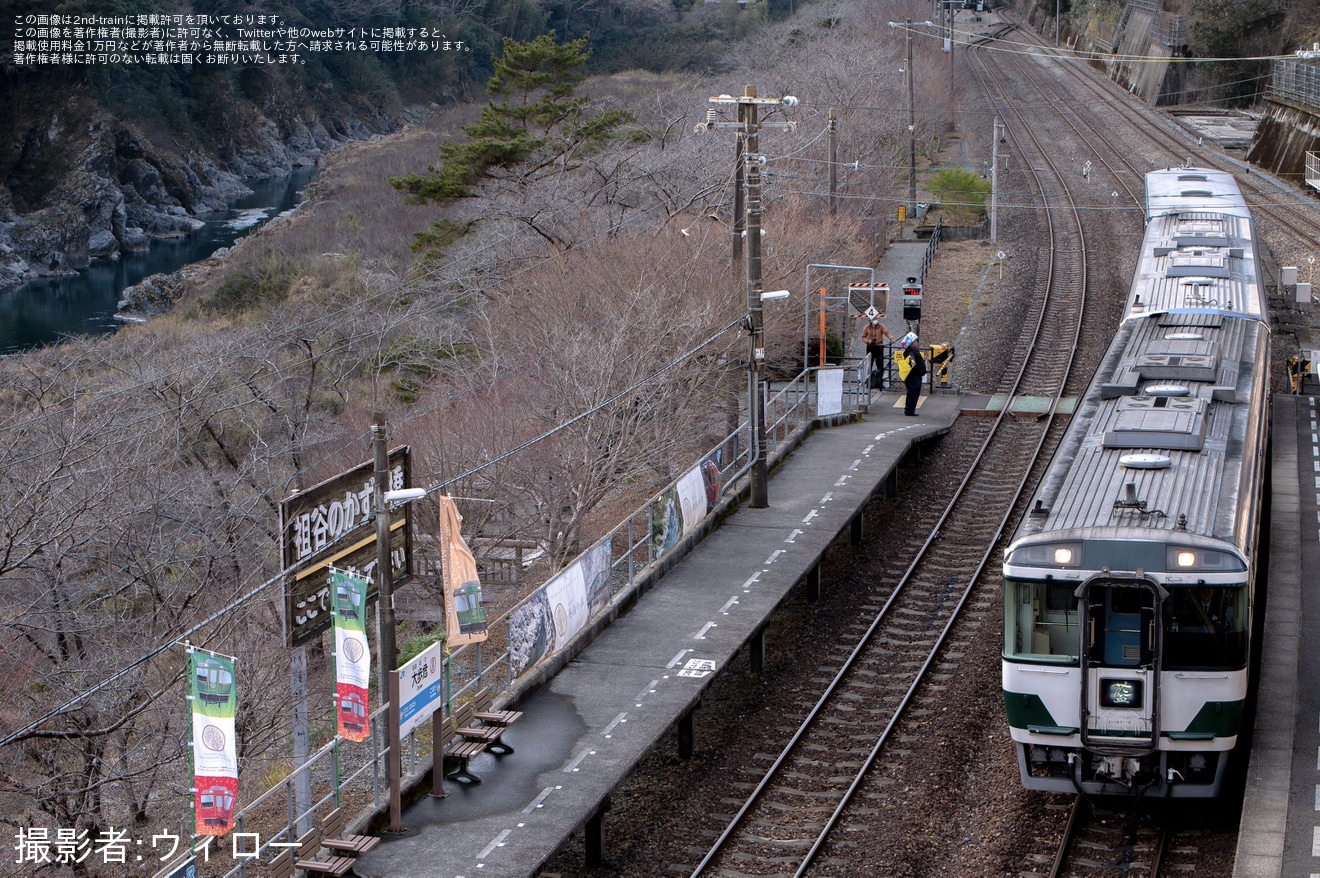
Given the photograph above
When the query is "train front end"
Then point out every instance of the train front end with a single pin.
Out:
(1125, 663)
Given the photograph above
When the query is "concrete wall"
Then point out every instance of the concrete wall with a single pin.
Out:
(1285, 133)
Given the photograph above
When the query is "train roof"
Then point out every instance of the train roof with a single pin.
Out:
(1175, 190)
(1176, 408)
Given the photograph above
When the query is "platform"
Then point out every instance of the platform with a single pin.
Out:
(630, 690)
(1279, 833)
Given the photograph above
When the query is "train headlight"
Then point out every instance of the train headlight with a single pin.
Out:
(1203, 560)
(1048, 555)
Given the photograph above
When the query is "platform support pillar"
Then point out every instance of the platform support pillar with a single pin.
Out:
(595, 837)
(811, 583)
(855, 529)
(891, 484)
(687, 734)
(757, 649)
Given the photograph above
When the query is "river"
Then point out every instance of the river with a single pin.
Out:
(44, 311)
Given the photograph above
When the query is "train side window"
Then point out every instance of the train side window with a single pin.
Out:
(1040, 621)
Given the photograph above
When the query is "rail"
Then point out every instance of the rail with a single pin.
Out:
(634, 553)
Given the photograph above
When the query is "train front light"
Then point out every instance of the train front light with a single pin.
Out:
(1048, 555)
(1188, 558)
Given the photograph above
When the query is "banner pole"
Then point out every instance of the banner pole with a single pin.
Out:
(395, 763)
(334, 678)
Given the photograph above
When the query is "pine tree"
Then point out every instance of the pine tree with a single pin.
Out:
(539, 118)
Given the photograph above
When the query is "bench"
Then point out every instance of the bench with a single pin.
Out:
(454, 746)
(332, 830)
(302, 857)
(483, 707)
(465, 722)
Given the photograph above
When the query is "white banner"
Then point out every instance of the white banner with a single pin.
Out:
(829, 392)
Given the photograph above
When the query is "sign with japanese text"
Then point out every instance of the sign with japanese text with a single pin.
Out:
(214, 754)
(332, 524)
(421, 689)
(352, 655)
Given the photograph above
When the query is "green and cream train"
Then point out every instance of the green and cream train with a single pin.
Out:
(1129, 584)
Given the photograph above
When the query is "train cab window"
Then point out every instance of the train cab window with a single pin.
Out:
(1040, 622)
(1205, 627)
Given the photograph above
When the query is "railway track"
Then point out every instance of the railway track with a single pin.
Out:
(799, 812)
(1283, 207)
(1099, 842)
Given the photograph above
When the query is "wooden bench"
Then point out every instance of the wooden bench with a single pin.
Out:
(302, 857)
(483, 707)
(465, 722)
(456, 747)
(332, 830)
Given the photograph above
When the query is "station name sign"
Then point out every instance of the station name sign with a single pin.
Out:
(332, 525)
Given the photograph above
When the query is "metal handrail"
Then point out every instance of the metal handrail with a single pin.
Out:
(789, 410)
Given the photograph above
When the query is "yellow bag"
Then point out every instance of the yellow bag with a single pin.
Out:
(904, 364)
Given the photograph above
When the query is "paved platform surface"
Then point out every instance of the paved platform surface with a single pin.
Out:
(1279, 832)
(586, 729)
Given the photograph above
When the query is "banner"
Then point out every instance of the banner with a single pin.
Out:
(465, 619)
(549, 619)
(679, 507)
(215, 755)
(829, 392)
(352, 655)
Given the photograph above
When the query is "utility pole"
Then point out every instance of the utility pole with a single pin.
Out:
(994, 182)
(912, 127)
(749, 128)
(834, 159)
(384, 564)
(739, 214)
(760, 477)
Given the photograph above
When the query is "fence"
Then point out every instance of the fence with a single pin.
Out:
(634, 565)
(1296, 81)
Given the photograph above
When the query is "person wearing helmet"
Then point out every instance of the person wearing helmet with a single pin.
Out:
(916, 370)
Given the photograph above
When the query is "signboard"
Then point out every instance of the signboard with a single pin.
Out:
(331, 524)
(421, 691)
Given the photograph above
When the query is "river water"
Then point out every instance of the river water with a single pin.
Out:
(44, 311)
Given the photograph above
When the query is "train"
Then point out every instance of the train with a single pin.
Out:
(1129, 584)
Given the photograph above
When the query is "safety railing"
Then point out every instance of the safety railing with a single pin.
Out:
(341, 766)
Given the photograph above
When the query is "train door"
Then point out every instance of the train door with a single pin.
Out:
(1119, 674)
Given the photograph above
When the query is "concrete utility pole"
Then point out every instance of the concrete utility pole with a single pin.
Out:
(760, 478)
(749, 128)
(912, 127)
(739, 215)
(834, 159)
(384, 565)
(994, 181)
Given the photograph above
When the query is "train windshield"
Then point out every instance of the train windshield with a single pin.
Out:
(1040, 622)
(1205, 627)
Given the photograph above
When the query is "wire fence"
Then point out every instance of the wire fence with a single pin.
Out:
(1297, 81)
(341, 770)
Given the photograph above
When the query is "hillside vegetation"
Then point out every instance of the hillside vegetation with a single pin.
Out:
(141, 472)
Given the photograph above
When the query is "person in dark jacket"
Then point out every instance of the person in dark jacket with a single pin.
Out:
(916, 370)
